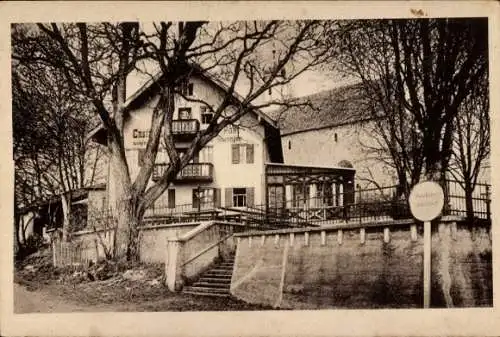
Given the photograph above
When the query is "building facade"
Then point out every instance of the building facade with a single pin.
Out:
(333, 129)
(232, 170)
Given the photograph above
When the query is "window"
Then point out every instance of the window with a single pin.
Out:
(186, 88)
(196, 157)
(335, 137)
(171, 198)
(249, 153)
(185, 113)
(206, 154)
(239, 197)
(300, 195)
(206, 115)
(203, 197)
(242, 153)
(289, 144)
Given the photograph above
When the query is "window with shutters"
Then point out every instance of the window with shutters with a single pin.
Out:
(242, 153)
(239, 197)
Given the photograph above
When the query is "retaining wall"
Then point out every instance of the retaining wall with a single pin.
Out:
(90, 245)
(374, 266)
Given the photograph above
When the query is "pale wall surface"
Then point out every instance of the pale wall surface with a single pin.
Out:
(373, 274)
(226, 174)
(318, 147)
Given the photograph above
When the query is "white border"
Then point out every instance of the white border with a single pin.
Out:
(459, 322)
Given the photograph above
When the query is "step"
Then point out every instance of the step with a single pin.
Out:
(219, 273)
(224, 267)
(226, 276)
(221, 270)
(216, 278)
(200, 293)
(211, 285)
(206, 278)
(207, 290)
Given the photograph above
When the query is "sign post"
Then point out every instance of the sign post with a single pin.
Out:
(426, 203)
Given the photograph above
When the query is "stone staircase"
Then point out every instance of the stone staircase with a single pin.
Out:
(215, 281)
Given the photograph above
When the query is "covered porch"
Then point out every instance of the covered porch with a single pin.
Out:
(308, 193)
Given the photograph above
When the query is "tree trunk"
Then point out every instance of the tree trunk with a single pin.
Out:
(17, 242)
(469, 205)
(120, 200)
(66, 208)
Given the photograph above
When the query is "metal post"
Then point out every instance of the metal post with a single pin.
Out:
(427, 264)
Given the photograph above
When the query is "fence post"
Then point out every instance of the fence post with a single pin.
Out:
(54, 255)
(488, 203)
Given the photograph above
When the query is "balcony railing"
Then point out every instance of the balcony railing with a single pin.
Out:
(191, 172)
(185, 127)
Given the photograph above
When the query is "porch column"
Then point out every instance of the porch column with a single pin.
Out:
(288, 196)
(312, 195)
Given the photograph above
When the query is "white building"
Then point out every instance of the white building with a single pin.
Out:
(232, 170)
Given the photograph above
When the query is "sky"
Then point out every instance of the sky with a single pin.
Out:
(308, 83)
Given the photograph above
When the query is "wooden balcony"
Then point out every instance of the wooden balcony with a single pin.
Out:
(194, 172)
(185, 129)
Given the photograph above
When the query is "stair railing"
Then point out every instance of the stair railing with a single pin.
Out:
(191, 254)
(216, 244)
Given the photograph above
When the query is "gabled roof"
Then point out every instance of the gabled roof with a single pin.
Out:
(149, 89)
(326, 109)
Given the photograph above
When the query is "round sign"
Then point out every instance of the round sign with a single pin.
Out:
(426, 200)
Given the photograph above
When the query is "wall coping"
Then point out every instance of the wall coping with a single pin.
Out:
(174, 224)
(203, 226)
(353, 225)
(145, 227)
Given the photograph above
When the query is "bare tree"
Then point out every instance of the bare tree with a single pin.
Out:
(97, 60)
(471, 142)
(51, 153)
(416, 74)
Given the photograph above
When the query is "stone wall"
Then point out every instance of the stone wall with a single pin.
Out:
(90, 245)
(375, 266)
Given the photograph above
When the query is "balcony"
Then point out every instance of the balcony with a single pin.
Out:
(185, 129)
(194, 172)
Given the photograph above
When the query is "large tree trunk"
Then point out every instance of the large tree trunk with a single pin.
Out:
(120, 200)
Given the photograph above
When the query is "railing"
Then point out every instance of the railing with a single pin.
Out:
(480, 200)
(191, 172)
(371, 205)
(182, 213)
(185, 127)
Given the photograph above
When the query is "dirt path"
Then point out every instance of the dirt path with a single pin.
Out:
(26, 301)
